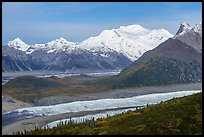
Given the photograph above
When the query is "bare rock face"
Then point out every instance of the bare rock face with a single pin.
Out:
(183, 27)
(14, 60)
(192, 37)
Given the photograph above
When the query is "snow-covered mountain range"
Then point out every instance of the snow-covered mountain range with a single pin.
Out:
(111, 49)
(132, 41)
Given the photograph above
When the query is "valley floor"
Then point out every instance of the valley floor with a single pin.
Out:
(9, 104)
(117, 93)
(122, 93)
(29, 124)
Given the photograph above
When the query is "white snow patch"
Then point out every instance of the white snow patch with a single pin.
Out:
(104, 55)
(52, 50)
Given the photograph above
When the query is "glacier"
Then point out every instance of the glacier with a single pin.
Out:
(158, 98)
(92, 105)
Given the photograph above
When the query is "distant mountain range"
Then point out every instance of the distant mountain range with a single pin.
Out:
(177, 60)
(112, 49)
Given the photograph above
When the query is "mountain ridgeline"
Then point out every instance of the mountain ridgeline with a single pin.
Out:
(62, 61)
(111, 49)
(173, 61)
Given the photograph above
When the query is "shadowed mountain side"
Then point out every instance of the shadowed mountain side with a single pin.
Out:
(171, 62)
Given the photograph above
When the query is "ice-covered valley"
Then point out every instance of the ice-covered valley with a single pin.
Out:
(100, 104)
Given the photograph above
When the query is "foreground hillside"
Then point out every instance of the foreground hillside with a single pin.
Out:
(176, 116)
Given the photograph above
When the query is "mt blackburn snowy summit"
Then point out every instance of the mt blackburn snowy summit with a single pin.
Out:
(177, 60)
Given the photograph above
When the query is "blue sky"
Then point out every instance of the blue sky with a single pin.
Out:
(41, 22)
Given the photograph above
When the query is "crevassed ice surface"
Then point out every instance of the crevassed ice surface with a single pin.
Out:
(92, 105)
(164, 96)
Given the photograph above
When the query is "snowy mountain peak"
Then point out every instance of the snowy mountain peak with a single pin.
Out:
(18, 44)
(61, 39)
(198, 28)
(18, 39)
(192, 36)
(185, 24)
(132, 41)
(133, 28)
(60, 42)
(128, 30)
(183, 27)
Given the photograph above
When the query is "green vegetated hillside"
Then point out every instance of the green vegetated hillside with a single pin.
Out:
(32, 82)
(31, 88)
(157, 71)
(182, 116)
(171, 62)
